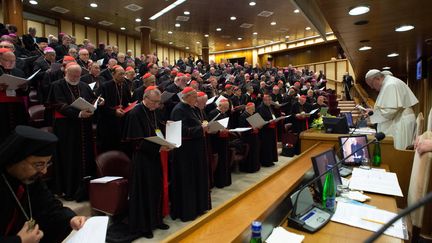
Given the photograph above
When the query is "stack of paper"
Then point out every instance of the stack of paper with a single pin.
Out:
(376, 181)
(368, 218)
(93, 231)
(280, 235)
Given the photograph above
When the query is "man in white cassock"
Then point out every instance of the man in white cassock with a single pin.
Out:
(392, 111)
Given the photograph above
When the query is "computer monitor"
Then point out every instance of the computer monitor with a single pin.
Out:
(336, 125)
(320, 163)
(349, 118)
(351, 144)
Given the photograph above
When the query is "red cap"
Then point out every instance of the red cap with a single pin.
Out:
(303, 96)
(147, 75)
(187, 75)
(275, 86)
(187, 90)
(297, 83)
(193, 82)
(68, 58)
(149, 65)
(174, 72)
(129, 69)
(4, 50)
(180, 75)
(117, 66)
(227, 86)
(250, 104)
(201, 94)
(223, 100)
(150, 88)
(71, 64)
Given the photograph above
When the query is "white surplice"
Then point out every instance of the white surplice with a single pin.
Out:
(393, 112)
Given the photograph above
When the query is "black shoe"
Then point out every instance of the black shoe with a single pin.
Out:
(148, 235)
(268, 165)
(163, 226)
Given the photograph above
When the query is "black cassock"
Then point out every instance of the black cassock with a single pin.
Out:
(299, 124)
(109, 126)
(251, 138)
(145, 195)
(13, 110)
(53, 219)
(75, 149)
(190, 195)
(219, 141)
(267, 134)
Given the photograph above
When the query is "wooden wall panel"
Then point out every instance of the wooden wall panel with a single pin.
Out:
(79, 33)
(51, 30)
(91, 35)
(319, 67)
(165, 53)
(152, 48)
(122, 43)
(112, 39)
(341, 69)
(65, 27)
(130, 44)
(102, 35)
(137, 48)
(309, 54)
(171, 56)
(159, 53)
(177, 55)
(330, 70)
(236, 54)
(38, 26)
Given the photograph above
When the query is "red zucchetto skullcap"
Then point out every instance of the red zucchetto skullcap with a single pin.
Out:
(150, 88)
(68, 58)
(297, 83)
(117, 66)
(129, 69)
(4, 50)
(303, 96)
(201, 94)
(71, 64)
(187, 75)
(179, 75)
(249, 104)
(223, 100)
(147, 75)
(149, 65)
(188, 90)
(174, 72)
(193, 82)
(228, 86)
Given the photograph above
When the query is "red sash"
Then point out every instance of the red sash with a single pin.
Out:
(58, 115)
(164, 163)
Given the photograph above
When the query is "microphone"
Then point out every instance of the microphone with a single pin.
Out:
(423, 201)
(293, 219)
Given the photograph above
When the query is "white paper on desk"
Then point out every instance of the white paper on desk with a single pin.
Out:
(100, 61)
(173, 132)
(209, 101)
(280, 235)
(256, 120)
(375, 181)
(355, 215)
(218, 125)
(240, 129)
(82, 105)
(92, 85)
(93, 231)
(105, 179)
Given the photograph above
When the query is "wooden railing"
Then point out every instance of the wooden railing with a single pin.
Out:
(362, 96)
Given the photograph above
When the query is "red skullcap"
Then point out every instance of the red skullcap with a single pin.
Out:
(149, 65)
(180, 75)
(150, 88)
(201, 94)
(193, 82)
(71, 64)
(129, 69)
(250, 104)
(68, 58)
(147, 75)
(187, 90)
(228, 86)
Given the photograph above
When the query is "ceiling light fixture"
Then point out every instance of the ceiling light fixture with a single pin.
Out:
(308, 28)
(403, 28)
(170, 43)
(359, 10)
(87, 18)
(287, 37)
(138, 20)
(228, 45)
(197, 42)
(218, 29)
(187, 47)
(170, 32)
(186, 12)
(122, 28)
(386, 68)
(273, 23)
(255, 33)
(252, 3)
(239, 38)
(177, 25)
(297, 11)
(365, 48)
(233, 17)
(33, 2)
(394, 54)
(167, 9)
(93, 5)
(206, 35)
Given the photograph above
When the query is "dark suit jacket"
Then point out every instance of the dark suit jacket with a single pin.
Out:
(28, 42)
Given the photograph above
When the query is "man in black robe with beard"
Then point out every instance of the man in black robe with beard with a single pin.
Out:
(267, 134)
(73, 127)
(252, 162)
(190, 196)
(29, 212)
(145, 195)
(110, 117)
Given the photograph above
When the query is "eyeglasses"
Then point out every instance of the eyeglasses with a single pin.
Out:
(154, 101)
(40, 166)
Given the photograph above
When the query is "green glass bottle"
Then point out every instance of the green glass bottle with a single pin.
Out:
(376, 161)
(256, 232)
(329, 191)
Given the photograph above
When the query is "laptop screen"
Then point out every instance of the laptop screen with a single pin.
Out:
(352, 144)
(349, 118)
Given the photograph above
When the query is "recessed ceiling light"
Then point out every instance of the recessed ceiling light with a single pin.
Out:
(386, 68)
(359, 10)
(186, 12)
(197, 42)
(228, 45)
(394, 54)
(206, 35)
(33, 2)
(255, 33)
(308, 28)
(170, 43)
(273, 23)
(233, 17)
(187, 47)
(239, 38)
(252, 3)
(93, 5)
(177, 25)
(87, 18)
(122, 28)
(170, 32)
(403, 28)
(271, 41)
(297, 11)
(137, 20)
(218, 29)
(365, 48)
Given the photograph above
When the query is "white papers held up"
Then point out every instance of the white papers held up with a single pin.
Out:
(313, 111)
(211, 100)
(215, 126)
(256, 120)
(240, 129)
(100, 61)
(93, 231)
(375, 181)
(92, 85)
(82, 105)
(281, 235)
(13, 82)
(368, 218)
(105, 179)
(173, 135)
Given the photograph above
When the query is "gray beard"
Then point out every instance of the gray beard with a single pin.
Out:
(72, 83)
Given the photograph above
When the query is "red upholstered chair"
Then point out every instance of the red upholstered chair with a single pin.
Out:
(111, 198)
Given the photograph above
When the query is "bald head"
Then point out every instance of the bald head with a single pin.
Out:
(73, 73)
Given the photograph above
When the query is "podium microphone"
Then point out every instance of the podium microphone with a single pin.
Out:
(423, 201)
(294, 220)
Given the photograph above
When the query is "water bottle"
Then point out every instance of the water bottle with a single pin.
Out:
(377, 154)
(256, 232)
(329, 191)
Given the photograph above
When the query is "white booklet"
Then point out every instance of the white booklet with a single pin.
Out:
(13, 82)
(215, 126)
(240, 129)
(173, 135)
(105, 179)
(82, 104)
(93, 231)
(375, 181)
(256, 120)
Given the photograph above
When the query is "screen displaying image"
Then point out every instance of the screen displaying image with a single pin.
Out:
(352, 144)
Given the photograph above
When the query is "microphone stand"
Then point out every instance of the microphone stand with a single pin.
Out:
(378, 137)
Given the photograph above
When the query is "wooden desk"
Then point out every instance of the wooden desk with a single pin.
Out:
(336, 232)
(231, 221)
(399, 161)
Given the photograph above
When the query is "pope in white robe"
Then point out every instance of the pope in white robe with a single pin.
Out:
(393, 108)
